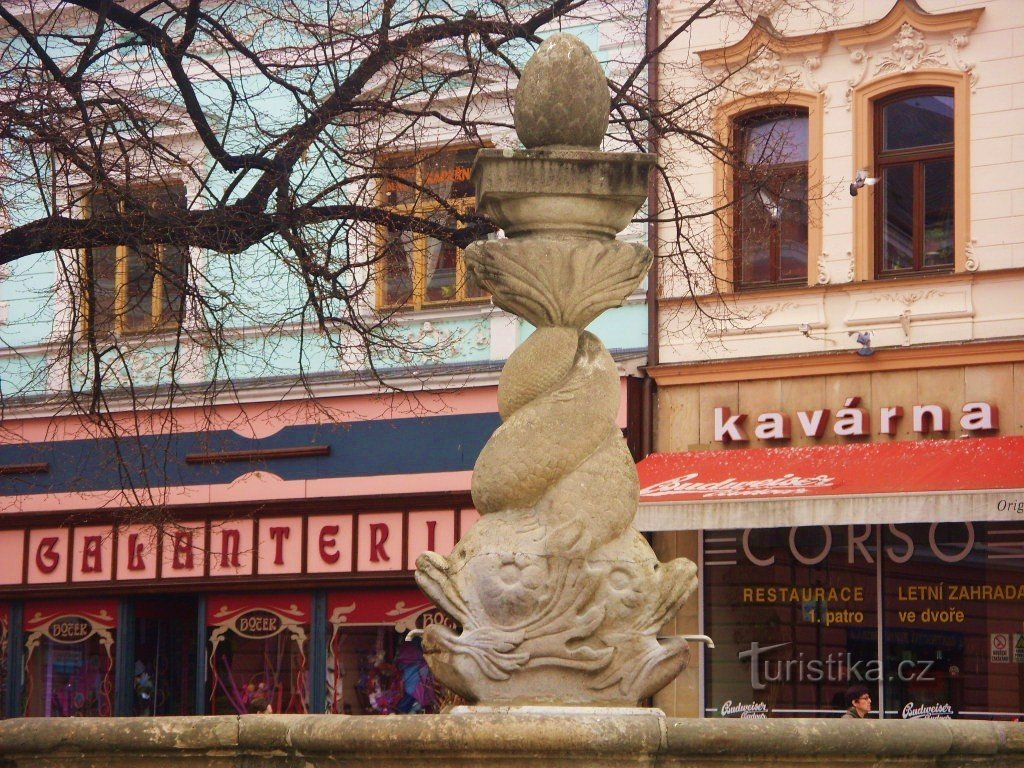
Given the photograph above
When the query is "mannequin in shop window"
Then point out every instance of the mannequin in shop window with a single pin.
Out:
(260, 705)
(858, 700)
(258, 698)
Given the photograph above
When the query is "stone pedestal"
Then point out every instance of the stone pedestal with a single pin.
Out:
(510, 740)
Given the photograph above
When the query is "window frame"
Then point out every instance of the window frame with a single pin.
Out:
(722, 245)
(739, 132)
(422, 205)
(916, 158)
(158, 322)
(863, 100)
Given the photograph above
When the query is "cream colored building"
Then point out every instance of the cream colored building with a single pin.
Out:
(843, 332)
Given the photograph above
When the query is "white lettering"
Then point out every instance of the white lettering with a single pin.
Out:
(815, 425)
(911, 712)
(979, 416)
(888, 416)
(938, 418)
(729, 428)
(772, 426)
(787, 485)
(851, 421)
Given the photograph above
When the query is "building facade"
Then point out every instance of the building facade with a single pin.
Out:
(840, 409)
(246, 529)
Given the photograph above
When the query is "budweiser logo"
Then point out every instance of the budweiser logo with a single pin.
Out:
(786, 485)
(755, 710)
(910, 712)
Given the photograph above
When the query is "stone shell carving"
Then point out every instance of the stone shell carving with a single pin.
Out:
(550, 281)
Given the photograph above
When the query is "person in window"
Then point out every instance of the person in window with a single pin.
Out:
(859, 701)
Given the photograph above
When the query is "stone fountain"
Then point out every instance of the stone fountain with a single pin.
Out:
(558, 598)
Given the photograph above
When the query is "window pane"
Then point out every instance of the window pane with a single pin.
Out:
(442, 279)
(898, 218)
(173, 270)
(793, 228)
(919, 121)
(141, 270)
(755, 238)
(398, 267)
(165, 656)
(777, 140)
(402, 173)
(938, 214)
(103, 264)
(447, 173)
(794, 616)
(950, 602)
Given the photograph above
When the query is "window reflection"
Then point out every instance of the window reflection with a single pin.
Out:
(770, 191)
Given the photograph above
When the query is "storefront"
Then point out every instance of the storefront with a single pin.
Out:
(858, 555)
(211, 630)
(279, 567)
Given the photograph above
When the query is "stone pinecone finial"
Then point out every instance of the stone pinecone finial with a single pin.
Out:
(562, 98)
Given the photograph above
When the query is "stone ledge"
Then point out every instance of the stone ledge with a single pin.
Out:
(501, 740)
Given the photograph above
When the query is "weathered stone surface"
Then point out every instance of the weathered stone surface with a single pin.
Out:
(560, 192)
(559, 600)
(504, 740)
(562, 97)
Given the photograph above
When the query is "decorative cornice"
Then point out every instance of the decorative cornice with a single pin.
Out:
(838, 363)
(908, 12)
(761, 37)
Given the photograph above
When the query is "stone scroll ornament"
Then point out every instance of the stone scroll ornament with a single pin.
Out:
(558, 598)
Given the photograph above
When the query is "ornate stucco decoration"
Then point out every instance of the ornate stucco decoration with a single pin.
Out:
(766, 61)
(971, 262)
(823, 275)
(909, 52)
(558, 599)
(908, 39)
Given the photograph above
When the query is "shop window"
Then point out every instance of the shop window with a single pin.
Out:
(914, 201)
(795, 618)
(69, 659)
(416, 270)
(374, 666)
(258, 652)
(135, 288)
(5, 630)
(165, 656)
(770, 218)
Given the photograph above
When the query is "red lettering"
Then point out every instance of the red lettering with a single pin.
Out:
(431, 527)
(379, 533)
(182, 551)
(279, 534)
(230, 541)
(92, 554)
(328, 544)
(47, 559)
(135, 548)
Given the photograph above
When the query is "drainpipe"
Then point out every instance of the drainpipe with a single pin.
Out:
(648, 393)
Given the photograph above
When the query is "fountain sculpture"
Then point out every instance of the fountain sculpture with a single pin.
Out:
(558, 598)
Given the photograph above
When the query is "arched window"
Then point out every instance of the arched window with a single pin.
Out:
(914, 211)
(770, 194)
